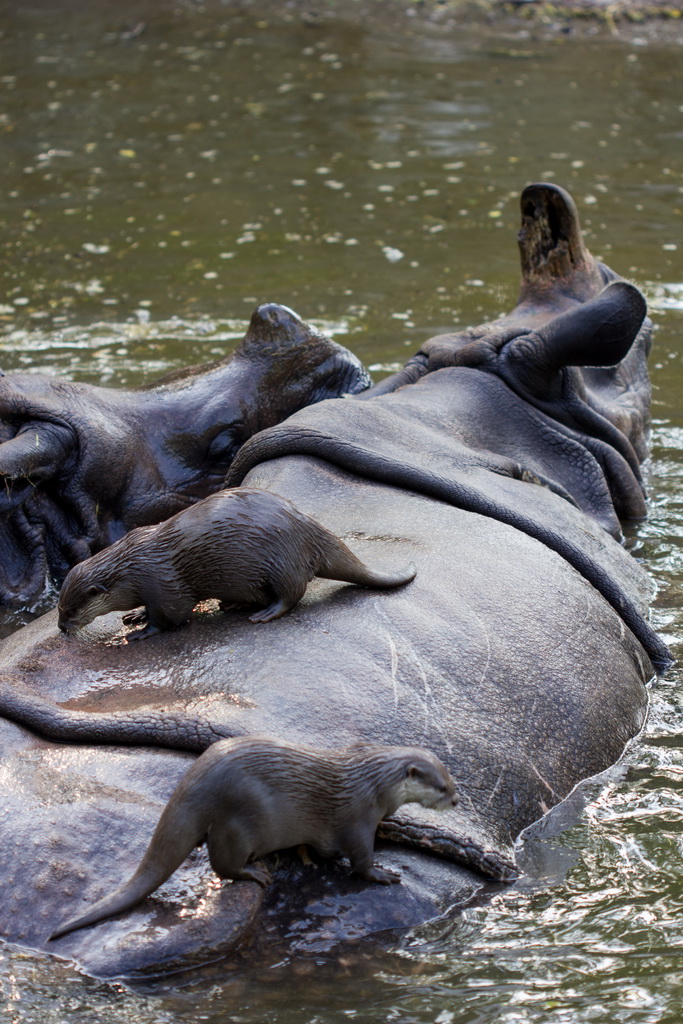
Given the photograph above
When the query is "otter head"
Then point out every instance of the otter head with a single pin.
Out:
(426, 781)
(89, 591)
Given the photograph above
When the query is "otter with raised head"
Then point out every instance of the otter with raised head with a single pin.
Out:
(243, 546)
(249, 796)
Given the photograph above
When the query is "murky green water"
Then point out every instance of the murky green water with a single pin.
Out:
(165, 167)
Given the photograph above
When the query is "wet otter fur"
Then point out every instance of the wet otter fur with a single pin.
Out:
(249, 796)
(243, 545)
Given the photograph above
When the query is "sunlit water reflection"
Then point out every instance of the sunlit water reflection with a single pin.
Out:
(165, 168)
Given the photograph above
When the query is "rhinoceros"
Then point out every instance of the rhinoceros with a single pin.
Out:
(83, 465)
(500, 461)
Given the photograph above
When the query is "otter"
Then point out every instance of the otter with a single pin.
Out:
(249, 796)
(242, 545)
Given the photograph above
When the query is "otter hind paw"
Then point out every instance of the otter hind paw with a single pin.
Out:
(256, 873)
(273, 611)
(382, 875)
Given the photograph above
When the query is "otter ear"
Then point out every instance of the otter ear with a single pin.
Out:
(96, 588)
(412, 771)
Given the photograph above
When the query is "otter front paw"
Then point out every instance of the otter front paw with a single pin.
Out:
(256, 873)
(135, 618)
(142, 634)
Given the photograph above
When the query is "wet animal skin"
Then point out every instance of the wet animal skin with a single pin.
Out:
(171, 442)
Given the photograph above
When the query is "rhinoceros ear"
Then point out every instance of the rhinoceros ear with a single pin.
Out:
(597, 333)
(550, 238)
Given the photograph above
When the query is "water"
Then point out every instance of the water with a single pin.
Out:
(166, 167)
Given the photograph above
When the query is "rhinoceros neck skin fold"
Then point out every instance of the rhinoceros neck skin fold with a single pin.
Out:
(154, 727)
(171, 443)
(279, 442)
(533, 364)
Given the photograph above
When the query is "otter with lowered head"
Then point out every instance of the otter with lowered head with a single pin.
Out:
(250, 796)
(243, 546)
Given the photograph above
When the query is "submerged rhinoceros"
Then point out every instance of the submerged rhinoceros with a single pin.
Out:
(519, 654)
(82, 465)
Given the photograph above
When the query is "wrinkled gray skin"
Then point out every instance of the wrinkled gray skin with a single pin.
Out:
(171, 444)
(518, 655)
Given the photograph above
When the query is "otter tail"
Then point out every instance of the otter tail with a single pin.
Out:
(339, 563)
(173, 841)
